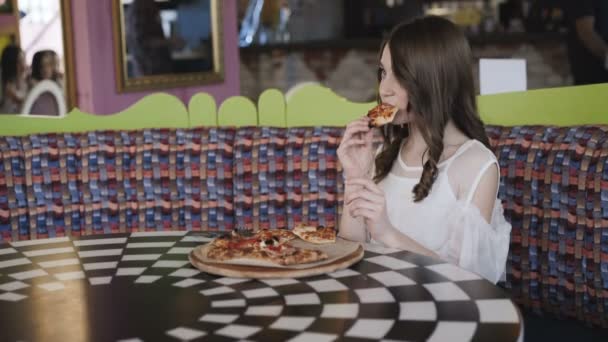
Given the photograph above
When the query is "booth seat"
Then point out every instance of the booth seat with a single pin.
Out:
(274, 164)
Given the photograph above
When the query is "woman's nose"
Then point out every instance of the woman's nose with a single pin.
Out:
(384, 91)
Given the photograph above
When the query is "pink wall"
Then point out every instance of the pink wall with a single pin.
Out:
(94, 55)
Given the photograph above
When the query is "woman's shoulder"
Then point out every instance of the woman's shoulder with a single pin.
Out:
(477, 153)
(475, 157)
(470, 166)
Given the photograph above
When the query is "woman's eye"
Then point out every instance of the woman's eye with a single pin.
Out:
(382, 73)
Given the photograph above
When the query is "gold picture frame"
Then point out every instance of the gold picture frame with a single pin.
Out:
(190, 66)
(68, 54)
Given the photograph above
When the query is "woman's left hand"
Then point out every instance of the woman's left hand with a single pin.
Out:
(366, 200)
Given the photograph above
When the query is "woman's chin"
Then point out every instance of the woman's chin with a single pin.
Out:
(400, 119)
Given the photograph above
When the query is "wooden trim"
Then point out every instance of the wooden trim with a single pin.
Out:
(16, 15)
(10, 30)
(68, 54)
(119, 46)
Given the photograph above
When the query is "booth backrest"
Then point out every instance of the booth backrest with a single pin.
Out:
(313, 105)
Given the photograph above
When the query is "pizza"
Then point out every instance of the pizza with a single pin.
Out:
(268, 245)
(238, 239)
(381, 115)
(282, 235)
(318, 235)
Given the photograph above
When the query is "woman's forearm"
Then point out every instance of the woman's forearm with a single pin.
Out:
(351, 228)
(395, 239)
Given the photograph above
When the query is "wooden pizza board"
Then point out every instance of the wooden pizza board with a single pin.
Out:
(259, 272)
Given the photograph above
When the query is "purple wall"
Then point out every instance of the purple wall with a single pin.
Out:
(94, 55)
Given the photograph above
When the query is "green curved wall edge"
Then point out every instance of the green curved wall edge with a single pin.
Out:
(153, 111)
(565, 106)
(202, 110)
(237, 111)
(271, 108)
(314, 105)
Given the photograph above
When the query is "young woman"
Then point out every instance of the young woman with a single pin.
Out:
(432, 186)
(45, 66)
(14, 79)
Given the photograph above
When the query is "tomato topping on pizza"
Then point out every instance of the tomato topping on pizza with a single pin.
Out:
(266, 244)
(381, 115)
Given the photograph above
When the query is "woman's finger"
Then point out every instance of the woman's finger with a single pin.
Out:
(365, 195)
(364, 118)
(369, 136)
(353, 142)
(363, 204)
(360, 121)
(355, 128)
(367, 184)
(363, 213)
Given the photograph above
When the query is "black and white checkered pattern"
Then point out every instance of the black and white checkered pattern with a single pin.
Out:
(140, 286)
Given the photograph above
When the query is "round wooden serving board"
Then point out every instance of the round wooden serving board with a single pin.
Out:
(259, 272)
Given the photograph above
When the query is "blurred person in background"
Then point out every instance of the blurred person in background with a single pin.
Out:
(587, 40)
(45, 66)
(14, 79)
(146, 39)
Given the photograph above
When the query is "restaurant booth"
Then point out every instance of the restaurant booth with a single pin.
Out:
(103, 208)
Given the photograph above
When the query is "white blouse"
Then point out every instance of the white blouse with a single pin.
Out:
(451, 227)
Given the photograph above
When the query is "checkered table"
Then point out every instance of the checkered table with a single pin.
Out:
(141, 287)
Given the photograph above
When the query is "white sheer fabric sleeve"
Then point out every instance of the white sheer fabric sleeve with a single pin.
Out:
(476, 245)
(472, 242)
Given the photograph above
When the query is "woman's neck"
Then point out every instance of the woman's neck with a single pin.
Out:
(452, 136)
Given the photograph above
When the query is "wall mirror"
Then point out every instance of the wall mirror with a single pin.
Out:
(162, 44)
(37, 46)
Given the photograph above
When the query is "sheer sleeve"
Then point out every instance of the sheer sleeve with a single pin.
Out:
(478, 235)
(476, 245)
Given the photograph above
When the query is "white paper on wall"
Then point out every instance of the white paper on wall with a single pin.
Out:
(502, 75)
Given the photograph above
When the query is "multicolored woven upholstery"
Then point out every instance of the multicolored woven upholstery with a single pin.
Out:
(103, 182)
(107, 174)
(14, 215)
(205, 178)
(157, 180)
(554, 187)
(285, 177)
(54, 192)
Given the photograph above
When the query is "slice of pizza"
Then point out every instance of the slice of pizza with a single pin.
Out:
(241, 238)
(280, 235)
(303, 256)
(285, 254)
(220, 253)
(381, 115)
(232, 241)
(268, 251)
(317, 235)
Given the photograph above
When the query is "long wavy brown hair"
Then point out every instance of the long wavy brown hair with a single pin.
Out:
(432, 61)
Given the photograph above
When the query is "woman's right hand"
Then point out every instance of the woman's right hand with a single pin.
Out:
(355, 150)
